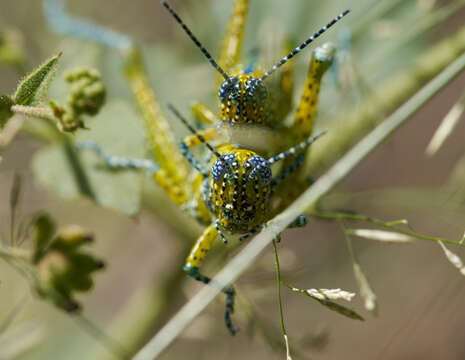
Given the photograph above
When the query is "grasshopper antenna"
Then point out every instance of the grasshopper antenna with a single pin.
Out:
(193, 131)
(304, 45)
(196, 41)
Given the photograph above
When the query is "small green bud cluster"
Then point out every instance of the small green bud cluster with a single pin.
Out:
(86, 97)
(62, 267)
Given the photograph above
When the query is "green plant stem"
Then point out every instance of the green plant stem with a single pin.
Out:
(34, 111)
(5, 324)
(320, 188)
(350, 246)
(388, 225)
(78, 170)
(13, 253)
(108, 342)
(278, 282)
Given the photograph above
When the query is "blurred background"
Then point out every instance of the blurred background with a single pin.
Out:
(420, 308)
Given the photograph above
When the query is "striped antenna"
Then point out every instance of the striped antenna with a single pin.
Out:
(304, 44)
(193, 131)
(295, 149)
(196, 41)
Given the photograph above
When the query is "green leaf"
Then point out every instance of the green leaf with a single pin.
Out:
(34, 87)
(118, 130)
(43, 229)
(5, 109)
(63, 268)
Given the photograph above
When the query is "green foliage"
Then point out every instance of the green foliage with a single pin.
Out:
(11, 48)
(5, 109)
(62, 267)
(42, 232)
(32, 90)
(114, 189)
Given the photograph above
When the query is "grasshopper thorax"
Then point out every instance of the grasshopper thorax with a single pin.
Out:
(240, 183)
(244, 100)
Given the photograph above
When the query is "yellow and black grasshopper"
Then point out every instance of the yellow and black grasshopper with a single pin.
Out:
(235, 191)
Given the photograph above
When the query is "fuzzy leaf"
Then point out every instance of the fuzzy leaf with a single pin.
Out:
(34, 87)
(5, 109)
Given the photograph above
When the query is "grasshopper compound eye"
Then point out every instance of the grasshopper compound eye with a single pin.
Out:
(220, 167)
(244, 100)
(261, 170)
(229, 89)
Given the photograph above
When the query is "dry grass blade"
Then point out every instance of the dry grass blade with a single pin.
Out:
(326, 298)
(365, 289)
(381, 235)
(448, 125)
(329, 294)
(453, 258)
